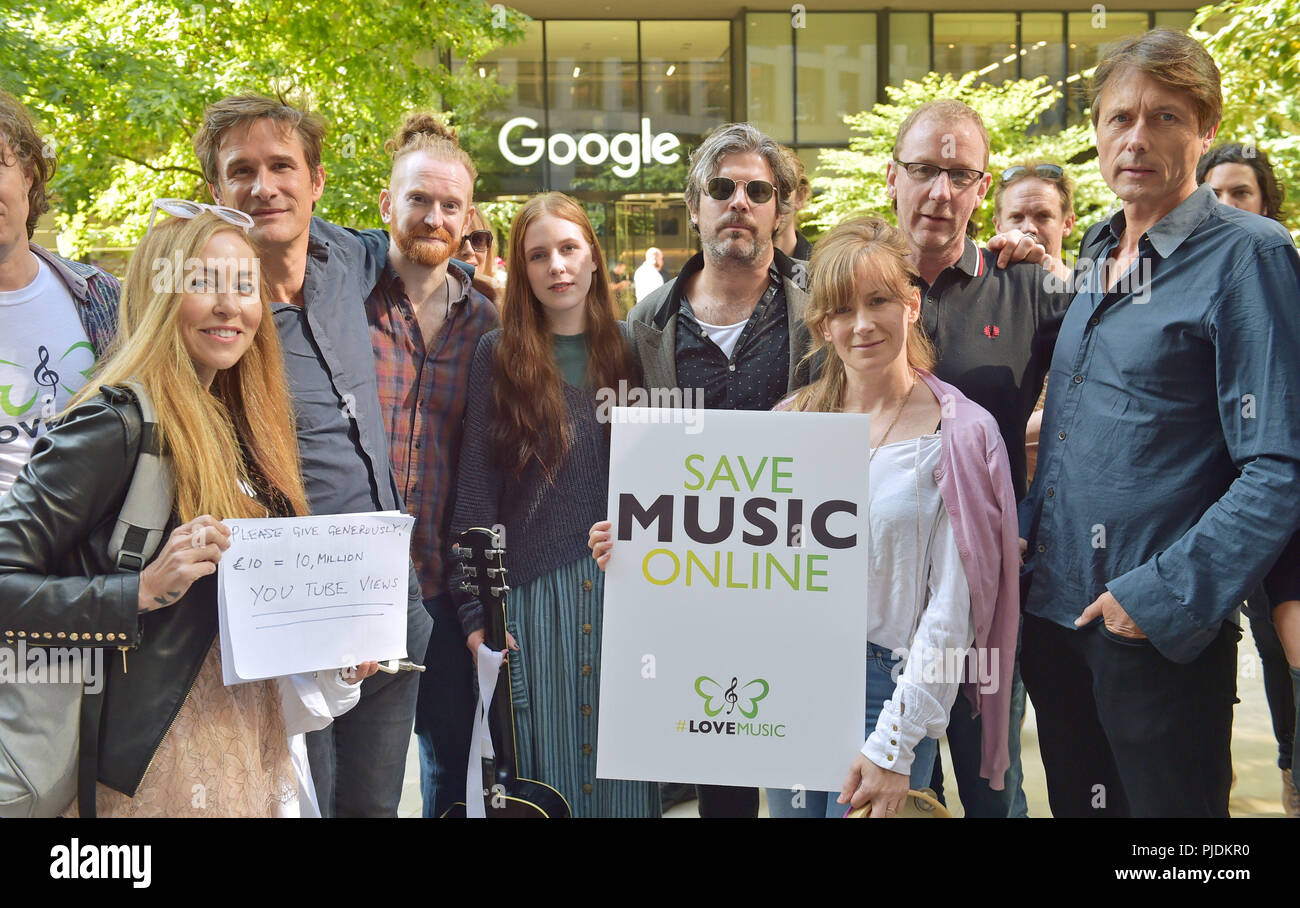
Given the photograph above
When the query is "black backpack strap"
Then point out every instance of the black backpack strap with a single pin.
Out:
(92, 706)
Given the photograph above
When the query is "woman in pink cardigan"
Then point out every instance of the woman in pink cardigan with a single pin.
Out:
(943, 593)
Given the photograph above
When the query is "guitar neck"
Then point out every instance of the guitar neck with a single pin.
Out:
(502, 711)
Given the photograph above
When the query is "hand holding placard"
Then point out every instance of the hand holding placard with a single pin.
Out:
(302, 594)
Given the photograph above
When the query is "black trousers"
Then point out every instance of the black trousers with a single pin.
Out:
(1122, 730)
(727, 801)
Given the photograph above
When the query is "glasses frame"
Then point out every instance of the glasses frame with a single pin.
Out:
(744, 184)
(1053, 173)
(908, 165)
(187, 210)
(469, 238)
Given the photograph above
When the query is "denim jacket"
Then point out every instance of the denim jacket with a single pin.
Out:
(342, 268)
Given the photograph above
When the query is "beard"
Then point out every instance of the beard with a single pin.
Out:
(742, 249)
(415, 249)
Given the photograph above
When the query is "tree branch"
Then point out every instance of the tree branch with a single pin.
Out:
(155, 168)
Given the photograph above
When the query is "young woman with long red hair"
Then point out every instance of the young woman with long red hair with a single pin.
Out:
(535, 459)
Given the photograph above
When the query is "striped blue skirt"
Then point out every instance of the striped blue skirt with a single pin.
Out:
(555, 686)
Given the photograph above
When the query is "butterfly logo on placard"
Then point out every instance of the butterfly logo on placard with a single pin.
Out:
(716, 699)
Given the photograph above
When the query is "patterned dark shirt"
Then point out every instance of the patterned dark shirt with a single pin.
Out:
(422, 393)
(756, 375)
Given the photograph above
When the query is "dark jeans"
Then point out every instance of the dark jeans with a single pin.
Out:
(1122, 730)
(727, 801)
(965, 743)
(444, 713)
(1277, 677)
(1295, 693)
(358, 762)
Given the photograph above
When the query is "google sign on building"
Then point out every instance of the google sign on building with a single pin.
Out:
(628, 150)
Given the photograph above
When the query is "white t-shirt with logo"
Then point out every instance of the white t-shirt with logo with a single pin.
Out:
(45, 359)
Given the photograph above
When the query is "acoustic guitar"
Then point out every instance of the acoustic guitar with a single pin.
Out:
(481, 572)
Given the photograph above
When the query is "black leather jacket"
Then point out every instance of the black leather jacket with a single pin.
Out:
(58, 586)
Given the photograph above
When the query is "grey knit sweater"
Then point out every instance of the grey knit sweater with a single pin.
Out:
(546, 525)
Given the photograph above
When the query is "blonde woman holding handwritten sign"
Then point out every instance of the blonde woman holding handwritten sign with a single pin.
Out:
(197, 336)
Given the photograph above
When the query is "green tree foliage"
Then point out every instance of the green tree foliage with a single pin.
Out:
(1256, 44)
(853, 179)
(120, 87)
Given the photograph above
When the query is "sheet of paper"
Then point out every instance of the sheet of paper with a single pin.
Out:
(302, 594)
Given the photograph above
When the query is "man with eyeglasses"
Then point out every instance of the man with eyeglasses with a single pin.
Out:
(263, 157)
(731, 323)
(425, 322)
(994, 329)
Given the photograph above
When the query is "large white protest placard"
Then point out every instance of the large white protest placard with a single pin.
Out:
(735, 612)
(302, 594)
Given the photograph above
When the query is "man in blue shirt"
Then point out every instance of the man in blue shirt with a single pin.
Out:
(1169, 476)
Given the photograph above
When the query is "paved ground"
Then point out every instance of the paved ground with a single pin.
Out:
(1259, 785)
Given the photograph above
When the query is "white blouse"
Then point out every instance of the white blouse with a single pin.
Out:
(918, 601)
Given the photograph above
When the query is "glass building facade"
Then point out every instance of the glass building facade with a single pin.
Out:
(608, 110)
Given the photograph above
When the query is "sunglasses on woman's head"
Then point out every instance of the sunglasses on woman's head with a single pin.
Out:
(479, 240)
(757, 191)
(1051, 172)
(183, 208)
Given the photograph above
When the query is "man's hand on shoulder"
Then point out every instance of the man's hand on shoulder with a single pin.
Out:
(1015, 246)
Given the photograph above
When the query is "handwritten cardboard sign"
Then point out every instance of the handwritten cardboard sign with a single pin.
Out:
(302, 594)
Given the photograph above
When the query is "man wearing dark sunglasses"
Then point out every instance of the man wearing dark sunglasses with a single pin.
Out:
(425, 322)
(994, 329)
(1036, 198)
(731, 323)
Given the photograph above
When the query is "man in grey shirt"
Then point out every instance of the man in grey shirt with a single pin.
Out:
(263, 157)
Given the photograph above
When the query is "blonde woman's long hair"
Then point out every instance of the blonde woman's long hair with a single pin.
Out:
(883, 249)
(241, 430)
